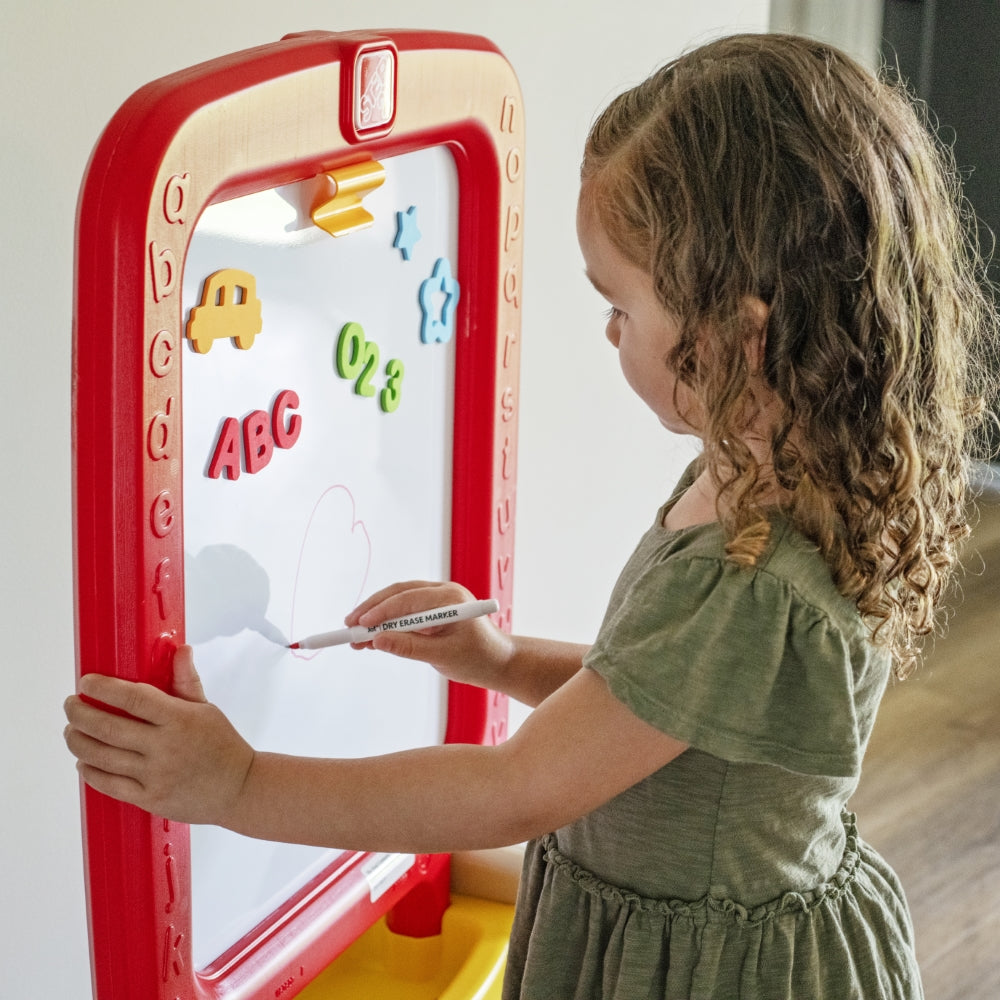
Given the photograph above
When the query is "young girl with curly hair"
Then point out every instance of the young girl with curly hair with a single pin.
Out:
(781, 243)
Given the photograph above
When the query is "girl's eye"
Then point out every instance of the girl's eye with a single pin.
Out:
(614, 313)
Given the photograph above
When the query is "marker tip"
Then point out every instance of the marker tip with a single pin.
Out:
(293, 645)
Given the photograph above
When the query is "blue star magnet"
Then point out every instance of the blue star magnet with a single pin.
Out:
(438, 324)
(406, 232)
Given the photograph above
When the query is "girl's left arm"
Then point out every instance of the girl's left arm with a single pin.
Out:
(179, 757)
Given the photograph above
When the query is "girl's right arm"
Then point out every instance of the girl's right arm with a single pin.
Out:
(472, 652)
(179, 757)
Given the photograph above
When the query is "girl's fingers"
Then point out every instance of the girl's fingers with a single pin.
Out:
(187, 683)
(409, 600)
(116, 785)
(140, 701)
(105, 727)
(407, 645)
(94, 755)
(383, 595)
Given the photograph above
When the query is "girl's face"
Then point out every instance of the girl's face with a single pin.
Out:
(639, 327)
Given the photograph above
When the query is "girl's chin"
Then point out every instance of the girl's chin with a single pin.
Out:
(678, 426)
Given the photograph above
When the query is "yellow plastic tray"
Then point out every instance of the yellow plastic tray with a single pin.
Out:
(465, 962)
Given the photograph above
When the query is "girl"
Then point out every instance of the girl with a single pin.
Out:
(780, 244)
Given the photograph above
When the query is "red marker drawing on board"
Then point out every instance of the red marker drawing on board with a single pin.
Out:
(408, 623)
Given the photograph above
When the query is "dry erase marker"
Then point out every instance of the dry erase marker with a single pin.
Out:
(409, 623)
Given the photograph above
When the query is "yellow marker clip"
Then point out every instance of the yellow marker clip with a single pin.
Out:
(344, 213)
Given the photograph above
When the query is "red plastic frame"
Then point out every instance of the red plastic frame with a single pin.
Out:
(174, 147)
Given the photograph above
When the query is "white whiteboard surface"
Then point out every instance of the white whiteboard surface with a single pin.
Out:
(360, 499)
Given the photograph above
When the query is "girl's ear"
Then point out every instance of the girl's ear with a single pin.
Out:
(754, 313)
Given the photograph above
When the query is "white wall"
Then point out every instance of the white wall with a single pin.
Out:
(853, 25)
(593, 463)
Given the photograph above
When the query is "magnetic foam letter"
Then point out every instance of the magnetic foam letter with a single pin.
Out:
(257, 441)
(227, 451)
(286, 434)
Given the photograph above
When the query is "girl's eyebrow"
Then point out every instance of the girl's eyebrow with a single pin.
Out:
(597, 285)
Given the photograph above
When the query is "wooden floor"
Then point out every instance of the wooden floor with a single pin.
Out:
(929, 798)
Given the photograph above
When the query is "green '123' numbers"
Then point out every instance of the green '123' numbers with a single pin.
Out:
(358, 360)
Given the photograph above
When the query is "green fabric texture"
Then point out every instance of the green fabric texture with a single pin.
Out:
(735, 872)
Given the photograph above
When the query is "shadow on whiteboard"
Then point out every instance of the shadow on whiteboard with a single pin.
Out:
(227, 591)
(279, 217)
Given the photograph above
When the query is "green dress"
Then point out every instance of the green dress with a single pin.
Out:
(733, 873)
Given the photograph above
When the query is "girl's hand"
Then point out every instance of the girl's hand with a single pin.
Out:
(174, 755)
(473, 652)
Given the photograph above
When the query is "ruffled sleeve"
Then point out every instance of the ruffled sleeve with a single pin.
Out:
(739, 663)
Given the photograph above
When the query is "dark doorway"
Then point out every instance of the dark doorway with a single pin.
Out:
(947, 51)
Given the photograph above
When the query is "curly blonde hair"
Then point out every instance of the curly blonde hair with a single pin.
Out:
(774, 167)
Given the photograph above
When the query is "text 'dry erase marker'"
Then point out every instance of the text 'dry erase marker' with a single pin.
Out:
(410, 623)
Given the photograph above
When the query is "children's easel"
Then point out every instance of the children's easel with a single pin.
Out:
(296, 347)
